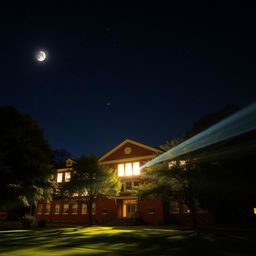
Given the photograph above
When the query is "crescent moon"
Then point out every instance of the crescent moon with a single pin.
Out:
(41, 56)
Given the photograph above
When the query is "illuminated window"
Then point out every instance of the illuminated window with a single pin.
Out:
(74, 209)
(171, 164)
(39, 209)
(185, 209)
(59, 177)
(84, 209)
(128, 169)
(47, 209)
(65, 208)
(254, 210)
(67, 176)
(57, 209)
(121, 170)
(136, 168)
(182, 162)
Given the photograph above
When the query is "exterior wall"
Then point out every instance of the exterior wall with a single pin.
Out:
(105, 210)
(150, 211)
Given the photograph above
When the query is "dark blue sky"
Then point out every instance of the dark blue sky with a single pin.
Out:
(116, 71)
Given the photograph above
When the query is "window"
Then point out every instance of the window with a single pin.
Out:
(171, 164)
(84, 209)
(57, 209)
(128, 169)
(93, 208)
(59, 177)
(65, 208)
(136, 168)
(74, 209)
(128, 185)
(254, 210)
(67, 176)
(47, 208)
(174, 207)
(182, 162)
(39, 209)
(185, 209)
(121, 170)
(122, 187)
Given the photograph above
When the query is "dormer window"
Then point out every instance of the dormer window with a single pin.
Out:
(128, 169)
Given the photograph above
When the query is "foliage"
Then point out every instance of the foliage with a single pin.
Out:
(24, 160)
(91, 180)
(27, 221)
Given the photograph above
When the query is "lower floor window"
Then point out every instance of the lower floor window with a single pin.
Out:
(93, 208)
(57, 209)
(65, 208)
(174, 207)
(47, 208)
(84, 209)
(74, 209)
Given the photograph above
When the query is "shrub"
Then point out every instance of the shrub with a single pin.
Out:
(41, 223)
(27, 220)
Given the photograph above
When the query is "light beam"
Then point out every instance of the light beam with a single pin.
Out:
(239, 123)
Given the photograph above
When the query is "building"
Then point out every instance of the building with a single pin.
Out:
(126, 158)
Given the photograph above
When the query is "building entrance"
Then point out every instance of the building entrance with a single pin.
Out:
(129, 208)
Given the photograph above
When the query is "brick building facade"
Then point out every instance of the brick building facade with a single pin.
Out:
(126, 158)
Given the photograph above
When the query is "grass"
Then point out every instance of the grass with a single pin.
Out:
(124, 241)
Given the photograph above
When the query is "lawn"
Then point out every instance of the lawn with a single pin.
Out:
(124, 241)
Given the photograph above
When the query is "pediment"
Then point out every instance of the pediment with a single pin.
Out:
(129, 149)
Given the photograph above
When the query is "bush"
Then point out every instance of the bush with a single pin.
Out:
(27, 220)
(41, 223)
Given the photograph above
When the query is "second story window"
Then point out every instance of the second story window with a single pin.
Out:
(59, 177)
(128, 169)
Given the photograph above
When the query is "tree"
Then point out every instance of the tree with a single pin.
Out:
(179, 180)
(24, 161)
(185, 182)
(91, 180)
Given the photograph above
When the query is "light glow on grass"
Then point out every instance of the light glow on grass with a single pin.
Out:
(120, 241)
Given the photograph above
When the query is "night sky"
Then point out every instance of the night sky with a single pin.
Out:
(125, 70)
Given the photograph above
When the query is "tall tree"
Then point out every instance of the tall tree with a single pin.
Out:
(91, 180)
(24, 161)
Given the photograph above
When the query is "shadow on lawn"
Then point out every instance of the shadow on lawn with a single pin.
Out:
(117, 241)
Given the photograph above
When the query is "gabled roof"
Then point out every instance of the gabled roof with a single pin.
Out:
(150, 150)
